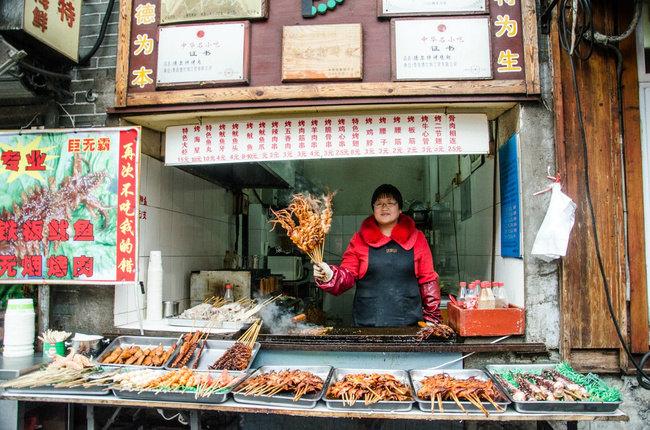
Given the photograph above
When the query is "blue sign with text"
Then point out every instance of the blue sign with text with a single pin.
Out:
(510, 202)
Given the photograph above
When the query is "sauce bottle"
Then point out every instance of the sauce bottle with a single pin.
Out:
(500, 296)
(486, 298)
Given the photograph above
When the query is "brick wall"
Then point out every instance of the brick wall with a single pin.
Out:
(93, 86)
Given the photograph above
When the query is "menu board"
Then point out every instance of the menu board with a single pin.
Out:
(441, 48)
(68, 206)
(347, 136)
(203, 54)
(430, 7)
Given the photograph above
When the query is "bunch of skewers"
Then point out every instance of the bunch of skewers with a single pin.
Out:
(444, 387)
(53, 336)
(202, 384)
(433, 329)
(238, 356)
(371, 388)
(63, 371)
(548, 386)
(307, 221)
(295, 381)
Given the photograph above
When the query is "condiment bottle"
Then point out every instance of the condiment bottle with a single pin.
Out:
(462, 290)
(500, 296)
(229, 297)
(486, 298)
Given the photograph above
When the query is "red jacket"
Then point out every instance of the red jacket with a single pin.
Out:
(355, 261)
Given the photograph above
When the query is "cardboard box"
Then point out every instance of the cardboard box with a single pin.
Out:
(487, 322)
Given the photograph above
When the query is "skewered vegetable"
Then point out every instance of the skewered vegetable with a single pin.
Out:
(307, 221)
(372, 388)
(268, 384)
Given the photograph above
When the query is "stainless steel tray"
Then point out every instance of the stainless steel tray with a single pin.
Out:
(76, 391)
(286, 400)
(202, 323)
(542, 407)
(450, 406)
(179, 396)
(213, 350)
(393, 406)
(142, 342)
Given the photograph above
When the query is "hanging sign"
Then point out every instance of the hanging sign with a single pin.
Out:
(55, 23)
(215, 10)
(430, 7)
(510, 198)
(68, 206)
(441, 48)
(347, 136)
(203, 54)
(322, 53)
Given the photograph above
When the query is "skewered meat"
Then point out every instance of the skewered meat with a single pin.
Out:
(436, 330)
(137, 356)
(188, 346)
(236, 357)
(549, 386)
(372, 388)
(268, 384)
(444, 387)
(517, 394)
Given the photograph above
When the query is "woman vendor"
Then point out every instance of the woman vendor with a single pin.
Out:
(391, 263)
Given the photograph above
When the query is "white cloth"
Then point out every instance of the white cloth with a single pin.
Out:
(553, 235)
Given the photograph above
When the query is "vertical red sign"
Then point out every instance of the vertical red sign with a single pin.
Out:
(127, 207)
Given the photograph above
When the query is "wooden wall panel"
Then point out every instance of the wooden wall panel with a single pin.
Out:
(583, 305)
(634, 190)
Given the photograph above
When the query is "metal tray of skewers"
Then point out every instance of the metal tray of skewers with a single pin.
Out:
(497, 402)
(202, 395)
(208, 354)
(148, 346)
(341, 404)
(284, 398)
(79, 389)
(571, 405)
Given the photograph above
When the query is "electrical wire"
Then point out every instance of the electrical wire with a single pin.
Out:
(100, 38)
(584, 32)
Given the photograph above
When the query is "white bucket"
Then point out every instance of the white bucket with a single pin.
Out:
(19, 328)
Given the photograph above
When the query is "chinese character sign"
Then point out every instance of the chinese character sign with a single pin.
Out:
(442, 48)
(68, 206)
(55, 23)
(372, 135)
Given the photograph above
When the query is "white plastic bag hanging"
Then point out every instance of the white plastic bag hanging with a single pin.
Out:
(553, 235)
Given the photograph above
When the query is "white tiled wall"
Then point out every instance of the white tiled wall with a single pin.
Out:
(474, 235)
(189, 220)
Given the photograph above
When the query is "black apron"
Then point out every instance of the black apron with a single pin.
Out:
(389, 294)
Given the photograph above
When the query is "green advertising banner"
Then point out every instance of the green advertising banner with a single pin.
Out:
(69, 206)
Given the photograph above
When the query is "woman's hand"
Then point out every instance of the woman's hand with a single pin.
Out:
(323, 272)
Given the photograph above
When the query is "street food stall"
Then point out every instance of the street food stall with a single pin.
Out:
(236, 120)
